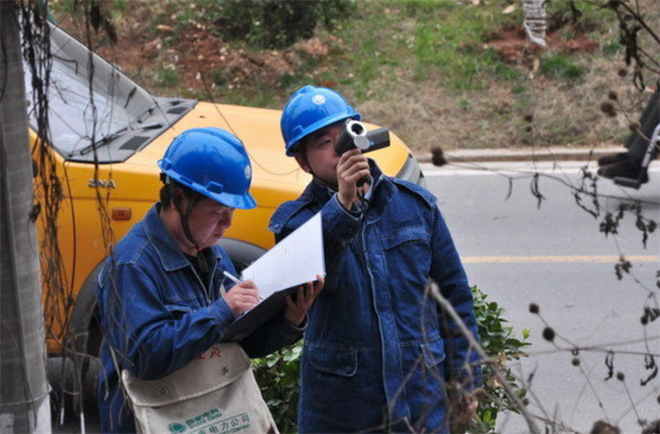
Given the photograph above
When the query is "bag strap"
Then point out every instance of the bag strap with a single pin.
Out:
(118, 369)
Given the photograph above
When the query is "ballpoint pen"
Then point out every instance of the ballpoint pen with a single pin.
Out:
(236, 280)
(231, 277)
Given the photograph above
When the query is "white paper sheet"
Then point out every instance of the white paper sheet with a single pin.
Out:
(295, 260)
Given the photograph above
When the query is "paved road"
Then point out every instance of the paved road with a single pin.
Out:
(556, 257)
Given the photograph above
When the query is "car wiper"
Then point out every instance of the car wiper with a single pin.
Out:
(126, 130)
(104, 141)
(145, 114)
(119, 133)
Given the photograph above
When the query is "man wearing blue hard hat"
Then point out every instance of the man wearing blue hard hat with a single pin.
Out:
(163, 298)
(378, 350)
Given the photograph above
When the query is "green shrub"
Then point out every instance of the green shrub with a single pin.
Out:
(580, 15)
(277, 374)
(500, 343)
(277, 23)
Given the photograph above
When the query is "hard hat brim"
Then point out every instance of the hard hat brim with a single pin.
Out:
(245, 201)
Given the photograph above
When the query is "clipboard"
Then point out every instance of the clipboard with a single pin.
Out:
(294, 261)
(251, 320)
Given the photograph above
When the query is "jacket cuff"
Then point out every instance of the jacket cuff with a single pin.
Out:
(338, 221)
(301, 328)
(222, 313)
(290, 332)
(355, 214)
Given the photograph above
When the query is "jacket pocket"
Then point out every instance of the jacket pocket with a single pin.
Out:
(433, 352)
(342, 362)
(414, 234)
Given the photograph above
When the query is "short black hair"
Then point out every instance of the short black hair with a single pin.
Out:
(167, 193)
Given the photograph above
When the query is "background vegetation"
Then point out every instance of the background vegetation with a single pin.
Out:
(453, 73)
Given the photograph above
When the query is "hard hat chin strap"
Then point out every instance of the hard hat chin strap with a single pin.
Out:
(184, 221)
(201, 259)
(192, 201)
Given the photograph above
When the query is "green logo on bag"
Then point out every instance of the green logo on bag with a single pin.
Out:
(176, 428)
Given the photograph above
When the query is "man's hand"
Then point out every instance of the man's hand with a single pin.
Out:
(352, 167)
(242, 297)
(295, 311)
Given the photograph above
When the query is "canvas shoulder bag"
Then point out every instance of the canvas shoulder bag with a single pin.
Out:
(216, 393)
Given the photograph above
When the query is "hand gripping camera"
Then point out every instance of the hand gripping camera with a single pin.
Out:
(355, 135)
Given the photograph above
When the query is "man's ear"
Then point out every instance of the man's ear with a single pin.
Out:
(302, 162)
(179, 200)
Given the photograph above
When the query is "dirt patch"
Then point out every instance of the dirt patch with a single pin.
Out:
(201, 58)
(196, 55)
(514, 47)
(207, 55)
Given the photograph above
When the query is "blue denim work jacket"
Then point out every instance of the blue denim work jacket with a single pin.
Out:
(158, 316)
(377, 349)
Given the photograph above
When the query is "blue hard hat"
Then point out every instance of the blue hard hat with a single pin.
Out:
(310, 109)
(213, 162)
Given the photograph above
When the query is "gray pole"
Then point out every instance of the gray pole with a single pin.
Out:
(24, 403)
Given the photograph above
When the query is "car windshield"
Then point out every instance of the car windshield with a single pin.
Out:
(88, 98)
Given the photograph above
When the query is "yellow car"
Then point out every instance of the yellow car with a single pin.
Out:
(125, 130)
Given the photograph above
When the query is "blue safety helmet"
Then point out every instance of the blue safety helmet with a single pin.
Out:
(310, 109)
(213, 162)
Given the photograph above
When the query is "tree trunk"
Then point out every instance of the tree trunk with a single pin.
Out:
(24, 403)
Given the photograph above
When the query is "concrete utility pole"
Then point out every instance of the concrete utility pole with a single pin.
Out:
(535, 25)
(24, 402)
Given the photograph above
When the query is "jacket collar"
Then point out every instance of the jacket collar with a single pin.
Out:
(170, 255)
(383, 191)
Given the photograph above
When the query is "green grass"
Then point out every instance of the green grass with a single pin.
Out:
(451, 41)
(444, 39)
(421, 8)
(257, 94)
(612, 47)
(561, 67)
(168, 78)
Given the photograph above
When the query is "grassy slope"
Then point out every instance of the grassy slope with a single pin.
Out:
(431, 70)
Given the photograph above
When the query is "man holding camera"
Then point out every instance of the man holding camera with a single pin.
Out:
(378, 350)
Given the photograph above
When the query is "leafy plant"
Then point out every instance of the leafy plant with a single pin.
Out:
(579, 15)
(277, 374)
(502, 346)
